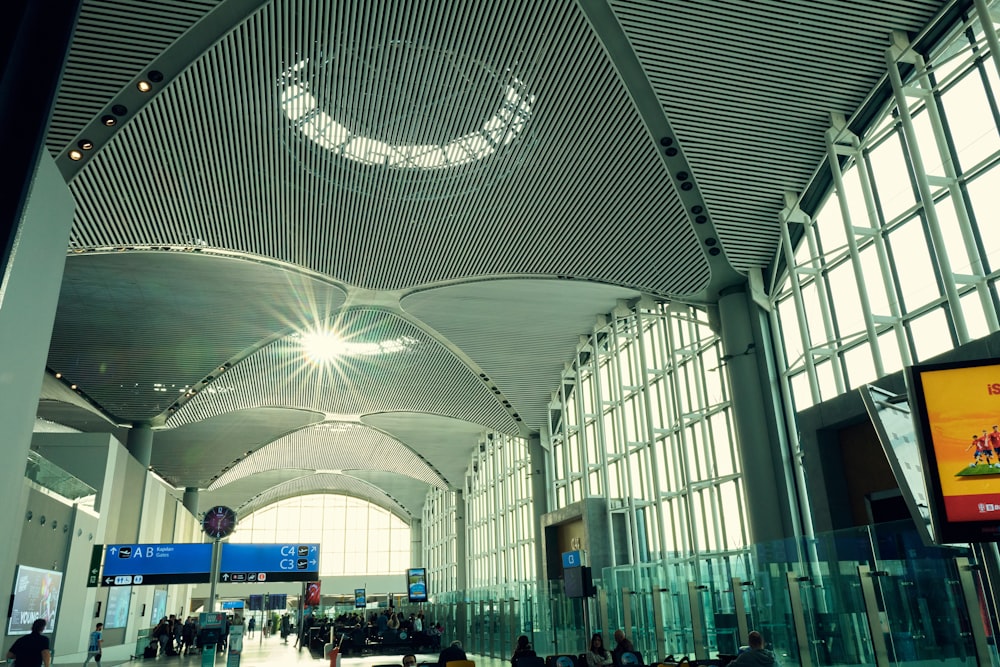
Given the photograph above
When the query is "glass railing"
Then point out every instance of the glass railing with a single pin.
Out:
(867, 596)
(51, 477)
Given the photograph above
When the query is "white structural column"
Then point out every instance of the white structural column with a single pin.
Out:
(29, 294)
(140, 445)
(768, 492)
(190, 500)
(461, 543)
(539, 497)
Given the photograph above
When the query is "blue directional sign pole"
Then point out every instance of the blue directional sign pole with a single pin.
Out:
(214, 576)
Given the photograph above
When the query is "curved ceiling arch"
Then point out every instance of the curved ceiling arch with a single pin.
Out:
(341, 446)
(195, 454)
(448, 444)
(327, 483)
(139, 330)
(519, 331)
(390, 365)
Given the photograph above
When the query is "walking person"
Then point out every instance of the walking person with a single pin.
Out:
(32, 650)
(95, 645)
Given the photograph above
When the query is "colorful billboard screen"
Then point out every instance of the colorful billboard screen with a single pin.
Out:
(36, 595)
(416, 584)
(957, 407)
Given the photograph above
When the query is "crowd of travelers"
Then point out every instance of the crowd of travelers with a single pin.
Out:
(387, 629)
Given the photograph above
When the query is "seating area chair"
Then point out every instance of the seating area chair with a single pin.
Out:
(460, 663)
(530, 661)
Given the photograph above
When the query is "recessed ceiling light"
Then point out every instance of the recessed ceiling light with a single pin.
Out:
(144, 86)
(155, 76)
(109, 120)
(75, 155)
(85, 144)
(119, 110)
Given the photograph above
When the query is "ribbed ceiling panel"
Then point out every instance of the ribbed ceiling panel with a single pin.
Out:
(520, 332)
(136, 329)
(579, 190)
(326, 483)
(448, 444)
(240, 492)
(195, 454)
(336, 446)
(414, 373)
(113, 42)
(749, 87)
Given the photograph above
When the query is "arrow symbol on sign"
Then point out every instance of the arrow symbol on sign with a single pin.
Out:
(113, 550)
(94, 571)
(312, 562)
(225, 577)
(108, 580)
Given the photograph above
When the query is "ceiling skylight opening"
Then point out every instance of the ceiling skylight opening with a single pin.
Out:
(324, 347)
(301, 107)
(321, 347)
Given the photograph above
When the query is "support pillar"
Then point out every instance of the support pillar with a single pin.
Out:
(539, 498)
(461, 579)
(140, 443)
(190, 500)
(30, 281)
(769, 511)
(461, 568)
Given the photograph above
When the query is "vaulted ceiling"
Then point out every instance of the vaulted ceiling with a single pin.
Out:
(456, 189)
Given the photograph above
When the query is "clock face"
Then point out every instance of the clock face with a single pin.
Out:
(219, 522)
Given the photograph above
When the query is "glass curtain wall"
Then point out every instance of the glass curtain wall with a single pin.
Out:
(439, 541)
(901, 261)
(356, 537)
(496, 602)
(643, 419)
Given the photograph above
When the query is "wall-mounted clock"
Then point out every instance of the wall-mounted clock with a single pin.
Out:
(219, 522)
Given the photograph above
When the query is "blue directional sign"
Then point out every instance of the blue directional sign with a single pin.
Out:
(151, 564)
(262, 563)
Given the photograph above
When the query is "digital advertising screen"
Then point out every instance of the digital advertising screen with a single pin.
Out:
(119, 598)
(360, 601)
(35, 595)
(957, 407)
(159, 605)
(416, 584)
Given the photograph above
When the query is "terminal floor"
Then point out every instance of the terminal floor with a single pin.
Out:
(272, 652)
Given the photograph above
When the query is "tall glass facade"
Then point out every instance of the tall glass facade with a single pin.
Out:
(901, 261)
(355, 536)
(643, 419)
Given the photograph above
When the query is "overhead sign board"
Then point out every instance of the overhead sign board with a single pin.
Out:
(151, 564)
(263, 563)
